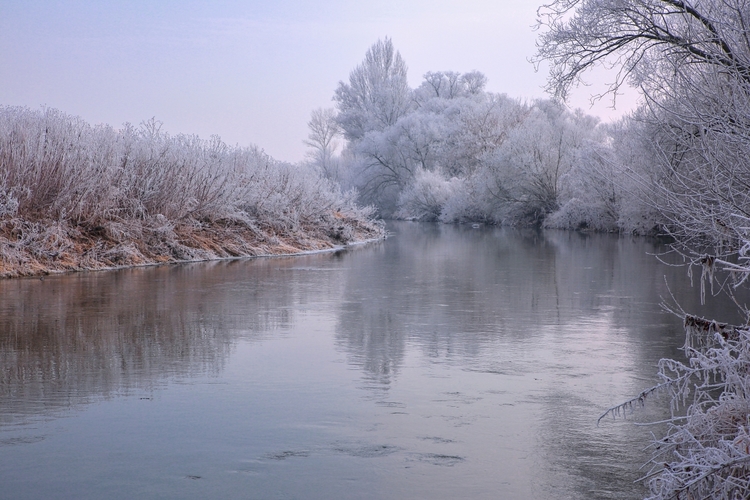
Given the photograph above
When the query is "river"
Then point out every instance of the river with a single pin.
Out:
(445, 362)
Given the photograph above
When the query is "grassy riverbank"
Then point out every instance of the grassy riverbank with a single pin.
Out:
(78, 197)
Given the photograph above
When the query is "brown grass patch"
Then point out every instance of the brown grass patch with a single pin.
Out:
(44, 247)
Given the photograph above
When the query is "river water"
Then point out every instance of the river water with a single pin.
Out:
(445, 362)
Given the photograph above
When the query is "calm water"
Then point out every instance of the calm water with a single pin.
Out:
(446, 362)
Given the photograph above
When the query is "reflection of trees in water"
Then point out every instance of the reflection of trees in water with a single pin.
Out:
(68, 339)
(453, 290)
(367, 327)
(373, 337)
(457, 293)
(450, 290)
(616, 284)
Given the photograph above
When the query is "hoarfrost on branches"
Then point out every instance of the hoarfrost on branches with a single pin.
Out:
(691, 62)
(706, 451)
(75, 196)
(508, 161)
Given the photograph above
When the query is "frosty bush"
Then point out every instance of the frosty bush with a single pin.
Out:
(8, 203)
(469, 203)
(578, 214)
(139, 191)
(57, 165)
(706, 451)
(424, 198)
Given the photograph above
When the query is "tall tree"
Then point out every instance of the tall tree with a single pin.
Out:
(648, 40)
(691, 61)
(450, 85)
(377, 94)
(322, 142)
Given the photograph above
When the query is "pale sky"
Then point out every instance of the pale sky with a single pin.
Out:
(250, 71)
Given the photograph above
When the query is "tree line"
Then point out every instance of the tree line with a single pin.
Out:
(451, 151)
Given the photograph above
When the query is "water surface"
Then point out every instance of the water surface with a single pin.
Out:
(446, 362)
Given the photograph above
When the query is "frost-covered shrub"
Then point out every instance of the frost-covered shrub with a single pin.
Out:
(76, 196)
(469, 203)
(639, 217)
(8, 203)
(55, 165)
(627, 176)
(706, 451)
(578, 214)
(424, 198)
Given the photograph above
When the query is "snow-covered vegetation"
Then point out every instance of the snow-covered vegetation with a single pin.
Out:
(76, 196)
(451, 151)
(706, 450)
(691, 61)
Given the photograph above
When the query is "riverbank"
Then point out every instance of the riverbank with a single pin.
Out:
(46, 247)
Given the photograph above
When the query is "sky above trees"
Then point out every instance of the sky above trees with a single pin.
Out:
(251, 71)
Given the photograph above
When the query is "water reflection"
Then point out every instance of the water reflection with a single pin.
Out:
(452, 291)
(577, 314)
(475, 363)
(68, 340)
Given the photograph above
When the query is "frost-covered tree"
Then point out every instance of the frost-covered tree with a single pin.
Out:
(529, 172)
(322, 141)
(387, 161)
(452, 145)
(691, 61)
(647, 40)
(450, 85)
(377, 94)
(479, 126)
(448, 135)
(611, 185)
